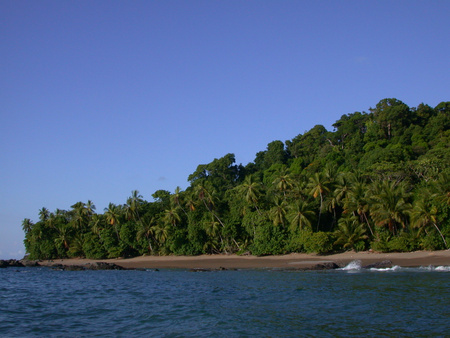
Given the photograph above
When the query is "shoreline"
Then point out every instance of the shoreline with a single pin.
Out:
(289, 261)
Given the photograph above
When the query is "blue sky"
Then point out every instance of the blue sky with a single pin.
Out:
(99, 98)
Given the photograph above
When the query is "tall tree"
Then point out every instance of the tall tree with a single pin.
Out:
(424, 214)
(278, 212)
(389, 207)
(146, 230)
(283, 182)
(161, 232)
(90, 208)
(392, 115)
(300, 215)
(44, 213)
(134, 202)
(251, 190)
(357, 202)
(113, 213)
(80, 215)
(275, 154)
(205, 195)
(64, 235)
(176, 199)
(318, 187)
(351, 233)
(172, 216)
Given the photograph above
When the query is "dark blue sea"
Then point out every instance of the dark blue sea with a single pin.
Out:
(397, 302)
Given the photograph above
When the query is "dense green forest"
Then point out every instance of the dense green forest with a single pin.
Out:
(380, 180)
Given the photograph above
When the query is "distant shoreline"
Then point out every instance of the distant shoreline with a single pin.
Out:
(290, 261)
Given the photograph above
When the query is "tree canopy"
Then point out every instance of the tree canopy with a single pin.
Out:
(379, 180)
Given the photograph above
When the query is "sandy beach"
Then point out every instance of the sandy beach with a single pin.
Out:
(291, 261)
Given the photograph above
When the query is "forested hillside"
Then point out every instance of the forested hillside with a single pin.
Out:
(380, 180)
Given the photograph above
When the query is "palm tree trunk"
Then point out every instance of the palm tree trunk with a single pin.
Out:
(320, 211)
(257, 209)
(212, 212)
(367, 221)
(440, 233)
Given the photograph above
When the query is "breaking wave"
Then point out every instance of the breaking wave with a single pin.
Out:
(394, 268)
(437, 268)
(353, 265)
(356, 265)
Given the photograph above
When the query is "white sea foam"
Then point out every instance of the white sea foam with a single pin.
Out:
(394, 268)
(356, 265)
(422, 268)
(353, 265)
(442, 268)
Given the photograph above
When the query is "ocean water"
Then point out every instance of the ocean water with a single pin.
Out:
(351, 302)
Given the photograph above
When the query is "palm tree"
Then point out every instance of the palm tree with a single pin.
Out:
(176, 199)
(389, 205)
(331, 204)
(351, 233)
(212, 229)
(330, 171)
(161, 232)
(208, 200)
(112, 214)
(62, 215)
(318, 186)
(278, 212)
(357, 202)
(51, 220)
(76, 246)
(133, 204)
(96, 224)
(300, 215)
(80, 215)
(299, 190)
(251, 190)
(442, 188)
(27, 225)
(90, 208)
(44, 214)
(191, 203)
(146, 230)
(64, 234)
(172, 216)
(283, 182)
(424, 214)
(343, 184)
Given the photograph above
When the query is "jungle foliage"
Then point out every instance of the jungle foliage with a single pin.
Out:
(379, 180)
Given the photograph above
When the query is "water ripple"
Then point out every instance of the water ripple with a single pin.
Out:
(173, 303)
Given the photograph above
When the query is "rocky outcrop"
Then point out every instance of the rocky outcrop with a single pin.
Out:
(17, 263)
(29, 263)
(379, 265)
(89, 266)
(322, 266)
(209, 270)
(104, 266)
(11, 263)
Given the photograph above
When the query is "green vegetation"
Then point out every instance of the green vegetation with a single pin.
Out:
(380, 180)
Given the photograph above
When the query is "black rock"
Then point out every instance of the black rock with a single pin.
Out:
(73, 268)
(208, 269)
(323, 266)
(379, 265)
(8, 263)
(29, 263)
(103, 266)
(89, 266)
